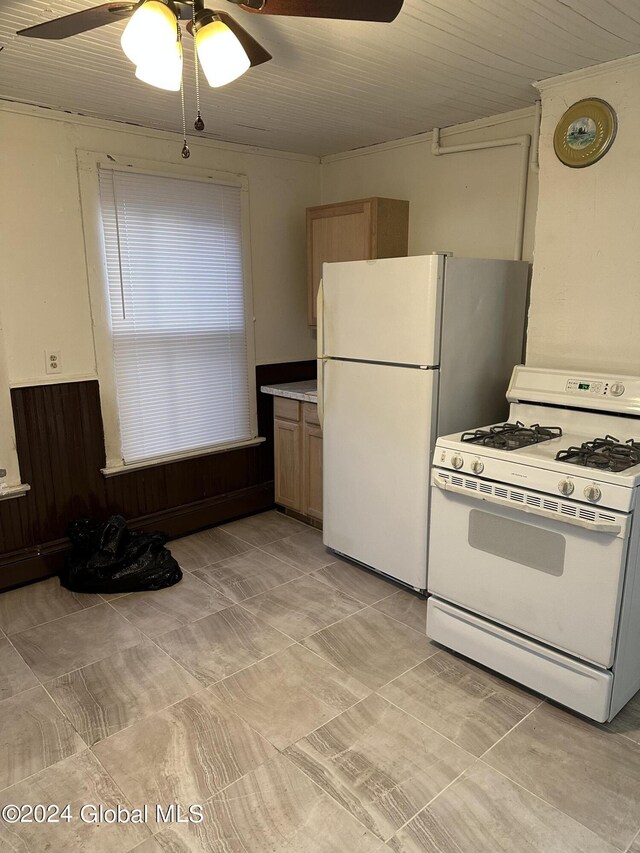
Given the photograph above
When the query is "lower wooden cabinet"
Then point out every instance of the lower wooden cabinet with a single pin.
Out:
(288, 444)
(312, 463)
(298, 457)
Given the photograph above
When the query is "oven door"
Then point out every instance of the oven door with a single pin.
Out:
(529, 563)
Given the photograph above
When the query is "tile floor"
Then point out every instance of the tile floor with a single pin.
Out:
(297, 699)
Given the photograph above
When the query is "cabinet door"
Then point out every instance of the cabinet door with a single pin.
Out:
(341, 232)
(288, 463)
(312, 469)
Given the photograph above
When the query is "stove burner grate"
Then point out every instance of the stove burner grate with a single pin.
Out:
(511, 436)
(605, 454)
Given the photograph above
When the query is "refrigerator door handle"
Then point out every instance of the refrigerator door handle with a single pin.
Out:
(321, 392)
(320, 335)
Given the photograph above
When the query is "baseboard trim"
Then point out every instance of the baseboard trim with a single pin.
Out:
(43, 561)
(32, 564)
(189, 518)
(300, 516)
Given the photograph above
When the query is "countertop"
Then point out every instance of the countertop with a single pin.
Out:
(306, 391)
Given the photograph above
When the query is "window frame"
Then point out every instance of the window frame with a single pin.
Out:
(12, 485)
(89, 164)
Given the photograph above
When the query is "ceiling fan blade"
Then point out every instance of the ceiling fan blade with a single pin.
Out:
(79, 22)
(256, 53)
(383, 11)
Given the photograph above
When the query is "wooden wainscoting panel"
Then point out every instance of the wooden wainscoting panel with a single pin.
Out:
(60, 441)
(60, 445)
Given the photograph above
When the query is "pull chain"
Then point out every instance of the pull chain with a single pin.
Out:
(185, 148)
(198, 123)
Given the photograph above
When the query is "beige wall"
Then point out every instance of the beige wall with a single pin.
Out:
(43, 281)
(464, 203)
(585, 304)
(585, 297)
(586, 257)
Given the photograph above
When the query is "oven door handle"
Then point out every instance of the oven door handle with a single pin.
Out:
(610, 527)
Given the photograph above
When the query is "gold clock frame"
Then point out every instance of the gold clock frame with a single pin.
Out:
(603, 116)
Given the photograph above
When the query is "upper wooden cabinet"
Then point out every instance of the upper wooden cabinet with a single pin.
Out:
(353, 231)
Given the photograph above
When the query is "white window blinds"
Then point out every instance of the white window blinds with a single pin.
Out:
(177, 298)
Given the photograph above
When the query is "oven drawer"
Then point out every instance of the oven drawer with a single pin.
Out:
(576, 685)
(554, 581)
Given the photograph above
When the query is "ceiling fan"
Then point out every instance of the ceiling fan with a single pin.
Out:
(152, 39)
(383, 11)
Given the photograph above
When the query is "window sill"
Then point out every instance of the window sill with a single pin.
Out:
(7, 492)
(115, 470)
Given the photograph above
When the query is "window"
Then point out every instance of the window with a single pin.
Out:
(181, 357)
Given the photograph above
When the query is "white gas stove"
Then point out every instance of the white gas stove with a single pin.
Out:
(534, 565)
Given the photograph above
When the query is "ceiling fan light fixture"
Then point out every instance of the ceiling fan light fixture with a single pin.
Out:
(165, 73)
(150, 33)
(221, 55)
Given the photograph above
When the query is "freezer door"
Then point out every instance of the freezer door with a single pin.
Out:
(385, 311)
(377, 439)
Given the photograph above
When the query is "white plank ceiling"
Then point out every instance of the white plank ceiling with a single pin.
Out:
(331, 86)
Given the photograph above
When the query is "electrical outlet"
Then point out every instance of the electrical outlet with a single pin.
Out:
(54, 365)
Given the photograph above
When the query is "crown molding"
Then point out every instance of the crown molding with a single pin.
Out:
(421, 138)
(589, 73)
(52, 114)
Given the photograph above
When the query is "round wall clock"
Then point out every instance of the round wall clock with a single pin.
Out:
(585, 133)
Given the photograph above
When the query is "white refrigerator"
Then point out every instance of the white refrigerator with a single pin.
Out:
(408, 349)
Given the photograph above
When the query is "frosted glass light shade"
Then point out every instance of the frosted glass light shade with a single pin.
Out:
(166, 73)
(221, 55)
(150, 32)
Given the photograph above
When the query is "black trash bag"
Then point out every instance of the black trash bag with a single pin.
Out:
(108, 557)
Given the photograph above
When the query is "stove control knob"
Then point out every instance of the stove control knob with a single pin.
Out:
(592, 493)
(477, 466)
(617, 389)
(457, 461)
(566, 487)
